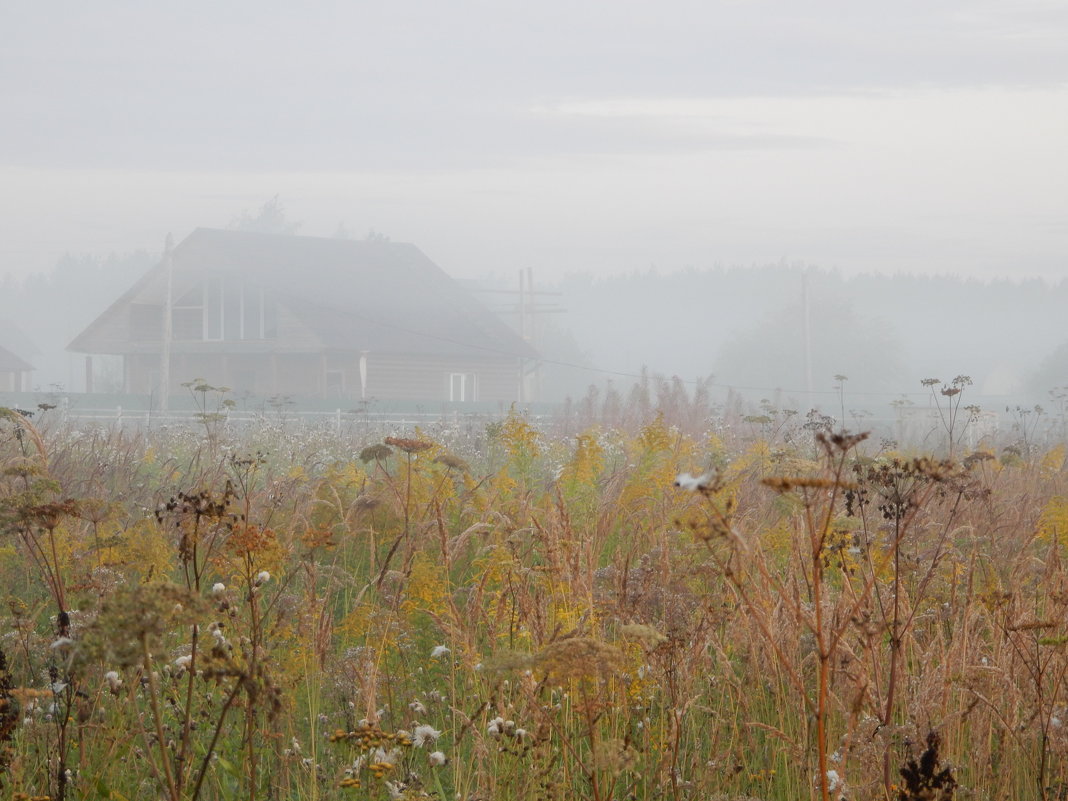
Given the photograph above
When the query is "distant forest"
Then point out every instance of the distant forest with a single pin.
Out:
(744, 326)
(741, 325)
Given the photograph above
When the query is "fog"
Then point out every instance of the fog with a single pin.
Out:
(676, 171)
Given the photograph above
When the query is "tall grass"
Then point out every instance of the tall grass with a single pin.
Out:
(530, 612)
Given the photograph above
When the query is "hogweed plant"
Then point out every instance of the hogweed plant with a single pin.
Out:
(947, 403)
(659, 605)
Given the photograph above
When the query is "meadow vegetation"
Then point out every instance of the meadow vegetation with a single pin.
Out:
(634, 602)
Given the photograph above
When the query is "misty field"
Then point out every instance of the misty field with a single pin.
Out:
(656, 607)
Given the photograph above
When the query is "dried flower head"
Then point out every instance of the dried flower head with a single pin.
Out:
(453, 462)
(424, 735)
(408, 445)
(579, 657)
(375, 453)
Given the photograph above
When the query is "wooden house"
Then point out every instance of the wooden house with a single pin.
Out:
(273, 315)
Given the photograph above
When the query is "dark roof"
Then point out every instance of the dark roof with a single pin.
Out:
(353, 295)
(10, 363)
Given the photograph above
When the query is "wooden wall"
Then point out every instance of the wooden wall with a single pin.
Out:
(389, 377)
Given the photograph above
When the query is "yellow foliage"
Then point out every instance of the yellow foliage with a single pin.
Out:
(519, 437)
(656, 436)
(370, 622)
(1053, 461)
(1053, 524)
(345, 474)
(568, 609)
(492, 566)
(357, 623)
(143, 547)
(777, 541)
(427, 586)
(587, 462)
(471, 488)
(503, 484)
(657, 453)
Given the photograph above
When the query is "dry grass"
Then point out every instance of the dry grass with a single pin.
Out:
(515, 612)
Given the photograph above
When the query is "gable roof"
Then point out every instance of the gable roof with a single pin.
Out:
(353, 295)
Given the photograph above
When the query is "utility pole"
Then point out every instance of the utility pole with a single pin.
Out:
(532, 334)
(807, 325)
(527, 308)
(523, 334)
(168, 333)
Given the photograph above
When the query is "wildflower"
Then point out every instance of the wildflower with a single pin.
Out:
(438, 758)
(692, 483)
(417, 707)
(262, 578)
(113, 680)
(425, 734)
(383, 757)
(494, 727)
(439, 651)
(218, 589)
(183, 662)
(834, 781)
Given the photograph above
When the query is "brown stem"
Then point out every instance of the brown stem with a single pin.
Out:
(157, 716)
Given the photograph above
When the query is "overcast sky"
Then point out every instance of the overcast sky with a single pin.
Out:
(598, 136)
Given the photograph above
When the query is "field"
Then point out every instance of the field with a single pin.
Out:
(654, 606)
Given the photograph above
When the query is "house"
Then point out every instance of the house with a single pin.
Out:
(269, 315)
(14, 372)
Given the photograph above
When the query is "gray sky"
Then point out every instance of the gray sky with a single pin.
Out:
(600, 136)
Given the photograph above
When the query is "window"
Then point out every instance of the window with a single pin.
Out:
(463, 387)
(198, 314)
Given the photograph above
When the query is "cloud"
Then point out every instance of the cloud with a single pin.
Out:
(427, 85)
